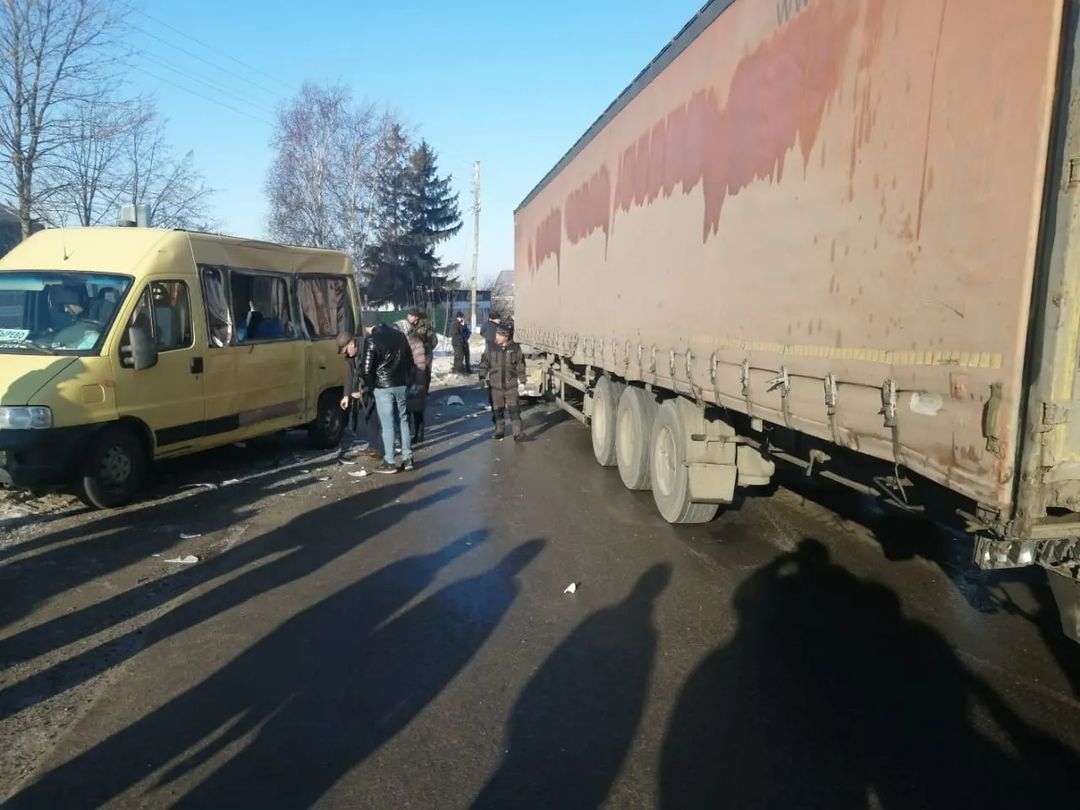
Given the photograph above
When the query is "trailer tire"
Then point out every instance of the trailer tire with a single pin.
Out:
(605, 406)
(670, 476)
(633, 437)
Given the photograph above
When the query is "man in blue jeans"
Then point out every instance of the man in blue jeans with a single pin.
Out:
(388, 369)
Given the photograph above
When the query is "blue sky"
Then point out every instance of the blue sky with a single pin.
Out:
(511, 84)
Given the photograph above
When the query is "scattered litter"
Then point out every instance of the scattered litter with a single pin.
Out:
(155, 555)
(346, 463)
(241, 445)
(324, 478)
(230, 482)
(455, 400)
(494, 475)
(305, 472)
(358, 474)
(189, 536)
(190, 559)
(199, 486)
(571, 588)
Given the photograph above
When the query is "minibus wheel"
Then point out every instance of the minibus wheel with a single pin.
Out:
(326, 431)
(114, 469)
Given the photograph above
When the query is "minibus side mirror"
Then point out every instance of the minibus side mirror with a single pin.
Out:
(141, 351)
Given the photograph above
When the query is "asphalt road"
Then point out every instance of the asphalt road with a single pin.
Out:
(406, 641)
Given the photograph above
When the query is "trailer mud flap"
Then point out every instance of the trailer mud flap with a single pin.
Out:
(712, 483)
(1067, 594)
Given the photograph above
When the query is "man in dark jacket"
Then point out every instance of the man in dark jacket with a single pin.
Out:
(358, 402)
(489, 329)
(502, 369)
(388, 369)
(459, 340)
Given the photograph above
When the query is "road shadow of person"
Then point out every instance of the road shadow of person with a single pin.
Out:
(53, 564)
(827, 696)
(575, 720)
(316, 697)
(300, 547)
(906, 537)
(1023, 592)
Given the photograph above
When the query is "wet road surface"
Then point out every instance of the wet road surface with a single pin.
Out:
(406, 641)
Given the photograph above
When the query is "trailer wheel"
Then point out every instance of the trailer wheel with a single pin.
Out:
(670, 477)
(633, 437)
(604, 407)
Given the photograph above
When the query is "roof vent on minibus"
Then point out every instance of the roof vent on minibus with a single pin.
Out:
(134, 216)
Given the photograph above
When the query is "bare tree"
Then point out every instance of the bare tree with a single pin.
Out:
(89, 173)
(55, 55)
(329, 153)
(172, 189)
(502, 294)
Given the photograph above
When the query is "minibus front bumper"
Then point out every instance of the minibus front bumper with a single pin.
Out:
(32, 459)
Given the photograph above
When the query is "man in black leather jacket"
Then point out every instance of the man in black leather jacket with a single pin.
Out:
(388, 369)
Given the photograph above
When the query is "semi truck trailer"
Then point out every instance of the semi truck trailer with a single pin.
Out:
(840, 235)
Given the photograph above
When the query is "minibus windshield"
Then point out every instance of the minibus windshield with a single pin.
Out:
(53, 312)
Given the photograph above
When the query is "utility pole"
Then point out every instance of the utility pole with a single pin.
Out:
(476, 240)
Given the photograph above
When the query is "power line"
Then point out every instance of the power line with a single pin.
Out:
(205, 61)
(204, 97)
(224, 91)
(209, 47)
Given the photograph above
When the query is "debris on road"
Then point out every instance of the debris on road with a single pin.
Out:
(571, 588)
(324, 478)
(190, 559)
(358, 474)
(199, 486)
(455, 400)
(184, 536)
(230, 482)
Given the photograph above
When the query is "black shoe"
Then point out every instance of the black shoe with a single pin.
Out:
(386, 469)
(520, 437)
(407, 465)
(498, 436)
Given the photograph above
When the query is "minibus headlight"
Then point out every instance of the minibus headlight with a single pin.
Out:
(25, 418)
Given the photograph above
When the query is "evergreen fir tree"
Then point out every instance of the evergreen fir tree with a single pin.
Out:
(387, 256)
(435, 217)
(416, 211)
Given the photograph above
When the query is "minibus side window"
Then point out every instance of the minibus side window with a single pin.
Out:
(172, 315)
(163, 311)
(261, 307)
(326, 306)
(219, 322)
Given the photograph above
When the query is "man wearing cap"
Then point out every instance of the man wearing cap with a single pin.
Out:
(363, 421)
(502, 369)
